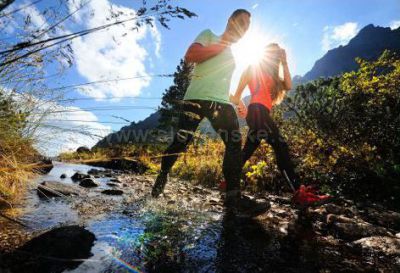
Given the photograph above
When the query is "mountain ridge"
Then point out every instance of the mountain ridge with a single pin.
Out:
(369, 44)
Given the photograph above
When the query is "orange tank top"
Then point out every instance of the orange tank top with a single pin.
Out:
(260, 86)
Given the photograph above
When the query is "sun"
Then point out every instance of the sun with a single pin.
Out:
(250, 49)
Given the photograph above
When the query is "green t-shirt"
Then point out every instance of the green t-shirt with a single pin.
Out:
(211, 79)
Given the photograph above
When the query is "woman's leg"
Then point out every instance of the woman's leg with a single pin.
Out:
(251, 145)
(281, 149)
(226, 124)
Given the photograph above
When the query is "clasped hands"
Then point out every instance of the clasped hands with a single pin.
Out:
(241, 107)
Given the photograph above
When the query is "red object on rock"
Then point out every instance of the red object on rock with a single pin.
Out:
(306, 196)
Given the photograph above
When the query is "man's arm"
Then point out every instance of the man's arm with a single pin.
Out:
(197, 53)
(244, 81)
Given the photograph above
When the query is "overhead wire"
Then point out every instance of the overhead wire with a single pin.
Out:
(19, 9)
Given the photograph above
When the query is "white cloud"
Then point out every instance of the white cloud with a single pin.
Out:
(114, 53)
(255, 6)
(56, 128)
(395, 24)
(335, 36)
(67, 128)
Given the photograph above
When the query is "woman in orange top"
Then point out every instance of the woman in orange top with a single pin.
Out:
(267, 90)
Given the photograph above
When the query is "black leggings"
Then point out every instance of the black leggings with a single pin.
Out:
(261, 126)
(224, 121)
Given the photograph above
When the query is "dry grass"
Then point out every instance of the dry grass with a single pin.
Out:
(14, 177)
(16, 157)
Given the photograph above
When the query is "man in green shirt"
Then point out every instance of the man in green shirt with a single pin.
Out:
(208, 97)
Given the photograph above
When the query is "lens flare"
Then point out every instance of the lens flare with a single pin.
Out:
(250, 49)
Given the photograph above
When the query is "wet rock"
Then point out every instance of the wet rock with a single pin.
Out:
(214, 201)
(319, 213)
(112, 192)
(63, 176)
(94, 171)
(61, 249)
(385, 218)
(115, 180)
(111, 184)
(198, 189)
(383, 244)
(78, 176)
(335, 209)
(88, 183)
(57, 189)
(353, 229)
(123, 164)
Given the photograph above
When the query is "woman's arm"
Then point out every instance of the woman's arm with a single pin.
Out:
(287, 79)
(244, 81)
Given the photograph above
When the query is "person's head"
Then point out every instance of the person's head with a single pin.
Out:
(238, 24)
(271, 64)
(272, 54)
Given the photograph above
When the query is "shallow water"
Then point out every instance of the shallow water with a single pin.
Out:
(147, 238)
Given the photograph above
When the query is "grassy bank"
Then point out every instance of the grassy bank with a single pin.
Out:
(16, 151)
(16, 158)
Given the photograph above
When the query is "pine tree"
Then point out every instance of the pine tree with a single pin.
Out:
(172, 97)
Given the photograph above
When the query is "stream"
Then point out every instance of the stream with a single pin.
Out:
(124, 239)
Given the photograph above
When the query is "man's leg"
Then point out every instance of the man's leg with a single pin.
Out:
(189, 119)
(224, 120)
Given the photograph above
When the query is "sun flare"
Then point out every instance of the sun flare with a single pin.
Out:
(250, 49)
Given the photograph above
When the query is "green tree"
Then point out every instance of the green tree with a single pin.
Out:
(172, 97)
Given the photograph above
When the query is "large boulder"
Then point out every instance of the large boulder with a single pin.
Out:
(57, 189)
(59, 250)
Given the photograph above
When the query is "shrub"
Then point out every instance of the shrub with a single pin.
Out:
(345, 131)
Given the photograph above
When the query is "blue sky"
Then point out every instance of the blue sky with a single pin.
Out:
(306, 28)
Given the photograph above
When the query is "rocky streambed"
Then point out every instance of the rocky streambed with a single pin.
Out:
(104, 221)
